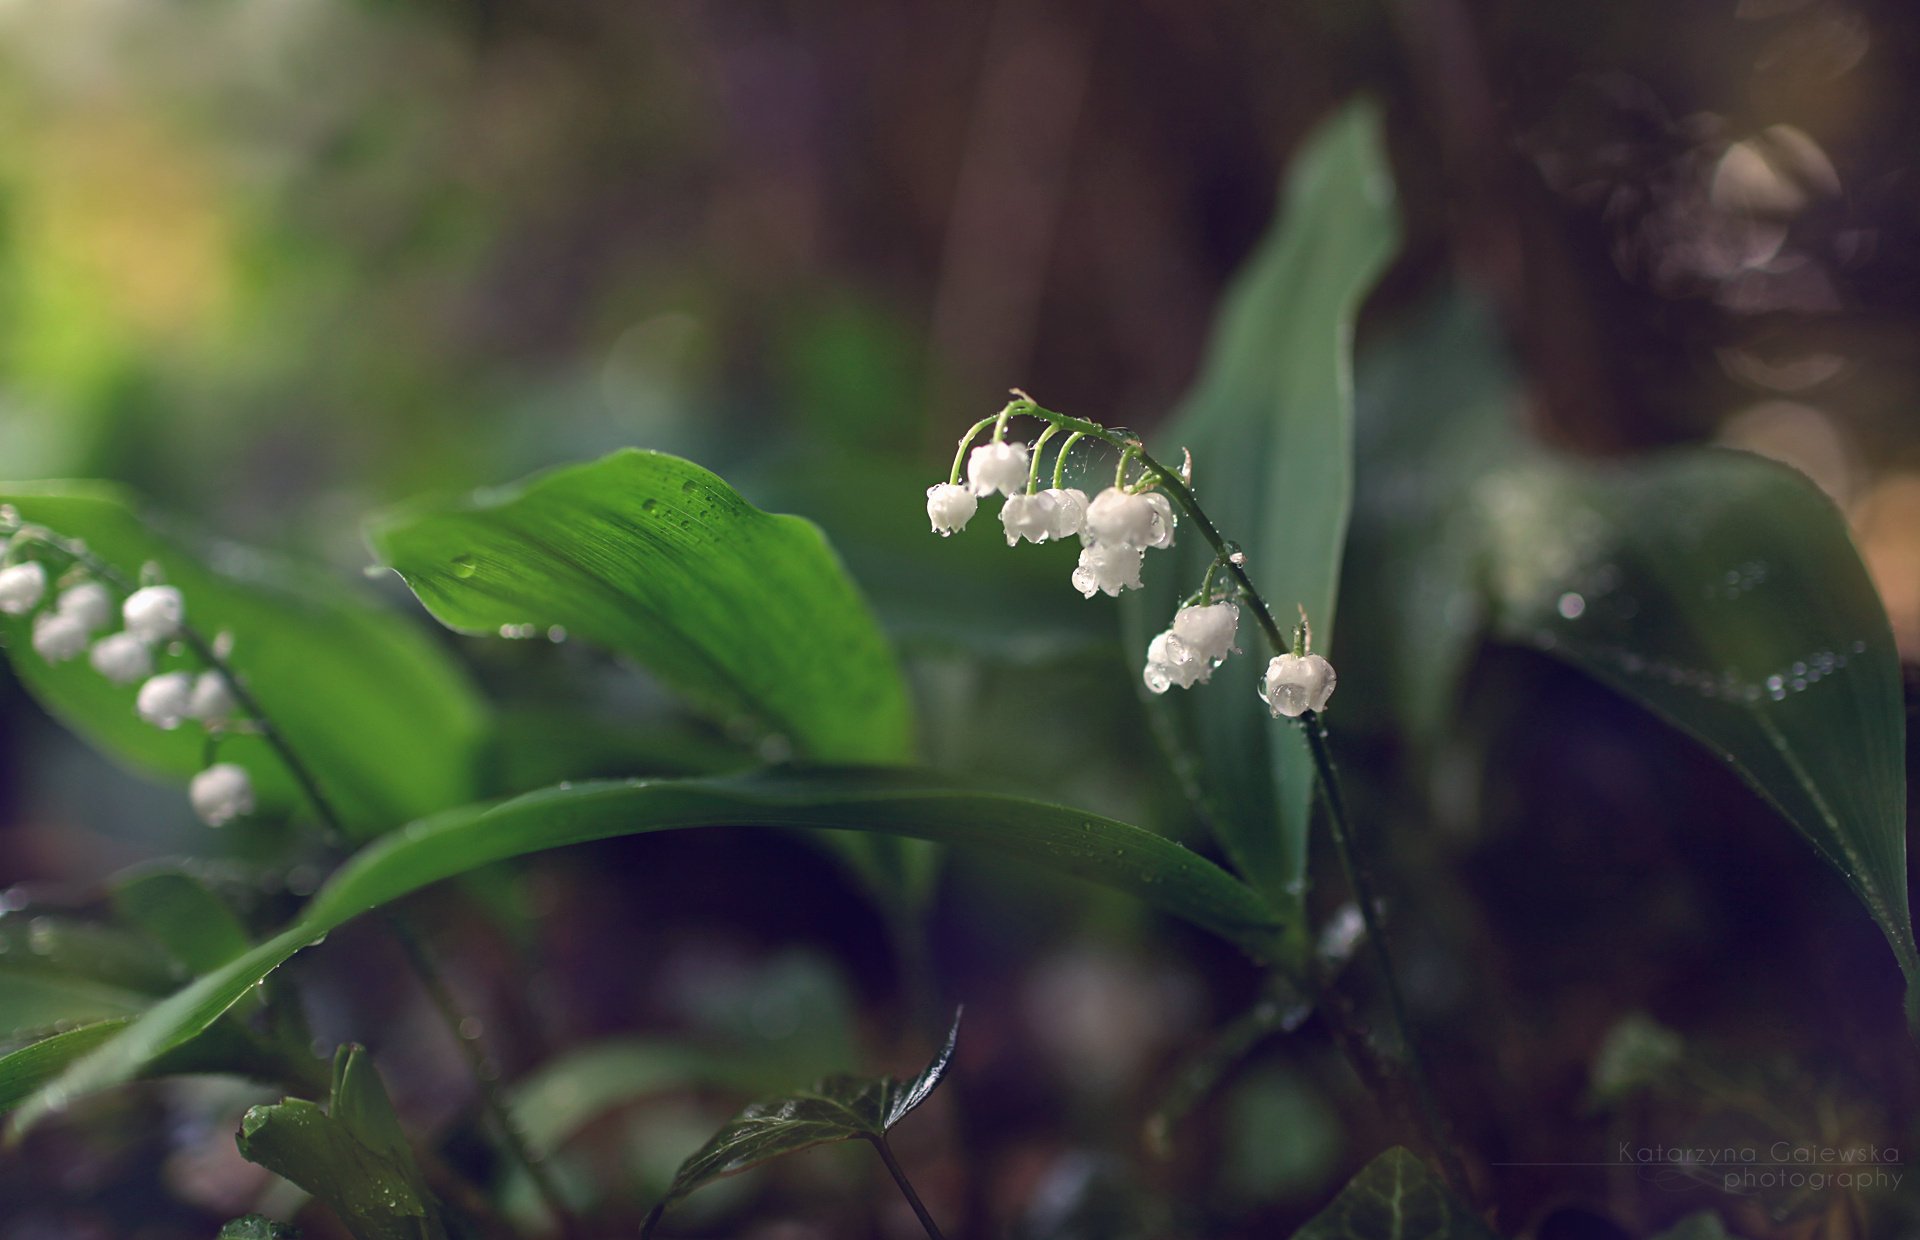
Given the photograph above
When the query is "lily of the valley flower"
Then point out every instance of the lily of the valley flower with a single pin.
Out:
(1069, 511)
(122, 658)
(21, 586)
(950, 507)
(1031, 517)
(998, 466)
(89, 604)
(1199, 641)
(221, 793)
(58, 636)
(1295, 684)
(212, 702)
(1123, 519)
(166, 700)
(1108, 568)
(154, 613)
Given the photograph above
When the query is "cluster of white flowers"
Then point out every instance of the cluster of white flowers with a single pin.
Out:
(1199, 640)
(151, 617)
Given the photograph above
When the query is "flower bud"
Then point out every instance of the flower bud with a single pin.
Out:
(90, 604)
(998, 466)
(1208, 630)
(154, 613)
(57, 636)
(950, 507)
(212, 701)
(122, 658)
(1109, 568)
(1028, 516)
(1069, 511)
(21, 586)
(221, 793)
(1295, 684)
(1122, 520)
(165, 700)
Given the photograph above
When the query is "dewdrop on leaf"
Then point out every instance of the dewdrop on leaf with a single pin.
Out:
(950, 507)
(154, 613)
(122, 658)
(1028, 516)
(221, 793)
(166, 700)
(21, 586)
(997, 466)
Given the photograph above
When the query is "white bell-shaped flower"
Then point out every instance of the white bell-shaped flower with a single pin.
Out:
(998, 466)
(154, 613)
(1296, 683)
(950, 507)
(122, 658)
(212, 702)
(21, 586)
(1069, 511)
(221, 793)
(166, 700)
(1208, 630)
(1161, 528)
(1170, 662)
(1105, 567)
(1028, 516)
(1120, 519)
(89, 603)
(58, 637)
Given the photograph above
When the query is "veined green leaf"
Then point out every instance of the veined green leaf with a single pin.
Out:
(1395, 1197)
(841, 1107)
(888, 800)
(746, 613)
(1269, 427)
(387, 722)
(25, 1070)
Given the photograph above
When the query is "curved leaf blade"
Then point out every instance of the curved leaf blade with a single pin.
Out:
(888, 800)
(1723, 592)
(1270, 429)
(748, 614)
(1395, 1197)
(386, 720)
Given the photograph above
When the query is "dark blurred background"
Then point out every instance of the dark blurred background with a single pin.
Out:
(279, 264)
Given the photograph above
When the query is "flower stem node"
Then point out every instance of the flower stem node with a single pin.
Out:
(154, 613)
(950, 507)
(89, 604)
(122, 658)
(212, 702)
(221, 793)
(1069, 512)
(1122, 519)
(21, 586)
(1108, 568)
(1031, 517)
(997, 466)
(58, 636)
(1295, 684)
(166, 700)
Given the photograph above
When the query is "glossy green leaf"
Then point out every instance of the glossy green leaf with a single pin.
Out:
(841, 1107)
(1722, 591)
(353, 1157)
(1269, 427)
(889, 800)
(748, 614)
(385, 719)
(1395, 1197)
(257, 1227)
(26, 1069)
(183, 916)
(33, 1001)
(224, 1047)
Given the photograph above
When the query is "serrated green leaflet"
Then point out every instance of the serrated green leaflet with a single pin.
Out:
(891, 800)
(748, 614)
(1395, 1197)
(385, 720)
(842, 1107)
(1269, 426)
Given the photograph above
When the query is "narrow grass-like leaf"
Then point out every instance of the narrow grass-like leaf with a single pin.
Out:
(1269, 426)
(1395, 1197)
(841, 1107)
(25, 1070)
(895, 801)
(32, 1001)
(748, 614)
(386, 720)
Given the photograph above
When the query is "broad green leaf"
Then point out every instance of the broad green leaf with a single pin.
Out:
(387, 722)
(841, 1107)
(353, 1157)
(1269, 426)
(747, 614)
(52, 942)
(893, 801)
(257, 1227)
(1722, 591)
(1395, 1197)
(183, 916)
